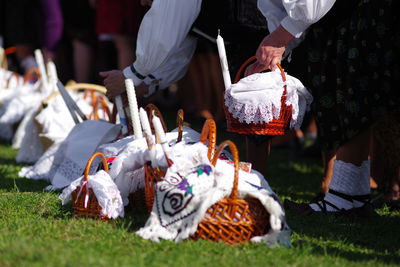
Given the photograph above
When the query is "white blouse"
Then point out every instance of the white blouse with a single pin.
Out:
(294, 15)
(164, 48)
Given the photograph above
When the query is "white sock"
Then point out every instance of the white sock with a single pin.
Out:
(28, 63)
(344, 179)
(362, 186)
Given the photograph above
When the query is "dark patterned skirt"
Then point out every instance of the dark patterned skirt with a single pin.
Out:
(353, 68)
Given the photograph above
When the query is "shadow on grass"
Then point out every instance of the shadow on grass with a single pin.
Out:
(360, 239)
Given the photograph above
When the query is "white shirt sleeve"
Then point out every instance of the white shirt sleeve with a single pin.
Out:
(163, 47)
(294, 15)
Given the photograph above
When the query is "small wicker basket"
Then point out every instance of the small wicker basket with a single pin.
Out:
(231, 219)
(92, 208)
(275, 127)
(154, 175)
(144, 198)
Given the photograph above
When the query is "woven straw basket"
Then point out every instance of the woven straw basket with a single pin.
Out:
(144, 198)
(154, 175)
(93, 208)
(274, 127)
(231, 219)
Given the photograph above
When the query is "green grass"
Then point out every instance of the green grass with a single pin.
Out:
(36, 230)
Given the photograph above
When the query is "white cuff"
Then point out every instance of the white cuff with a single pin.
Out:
(295, 27)
(129, 74)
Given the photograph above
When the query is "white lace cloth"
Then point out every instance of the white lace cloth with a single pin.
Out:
(257, 98)
(192, 185)
(66, 160)
(105, 190)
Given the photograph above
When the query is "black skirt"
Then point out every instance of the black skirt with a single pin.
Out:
(353, 68)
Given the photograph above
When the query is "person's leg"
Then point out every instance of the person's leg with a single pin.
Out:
(82, 61)
(328, 158)
(349, 185)
(125, 46)
(257, 154)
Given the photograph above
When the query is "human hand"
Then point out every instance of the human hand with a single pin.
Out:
(146, 2)
(271, 49)
(256, 67)
(114, 81)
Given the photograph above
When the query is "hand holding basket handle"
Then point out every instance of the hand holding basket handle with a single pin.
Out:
(277, 126)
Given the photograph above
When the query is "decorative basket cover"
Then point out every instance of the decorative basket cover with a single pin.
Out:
(193, 185)
(266, 103)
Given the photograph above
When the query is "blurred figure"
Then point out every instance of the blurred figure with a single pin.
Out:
(31, 24)
(119, 20)
(79, 32)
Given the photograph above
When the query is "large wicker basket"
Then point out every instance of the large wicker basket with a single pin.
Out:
(275, 127)
(92, 209)
(231, 219)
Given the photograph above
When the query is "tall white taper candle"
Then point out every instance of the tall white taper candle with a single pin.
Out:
(42, 70)
(223, 60)
(133, 108)
(53, 77)
(161, 136)
(144, 119)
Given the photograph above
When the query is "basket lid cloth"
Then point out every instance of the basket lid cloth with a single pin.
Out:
(257, 98)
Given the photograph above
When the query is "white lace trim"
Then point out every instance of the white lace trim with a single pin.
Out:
(257, 98)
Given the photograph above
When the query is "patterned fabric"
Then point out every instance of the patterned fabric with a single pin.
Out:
(353, 67)
(192, 185)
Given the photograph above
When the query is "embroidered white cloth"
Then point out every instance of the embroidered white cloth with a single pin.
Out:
(192, 185)
(106, 192)
(257, 98)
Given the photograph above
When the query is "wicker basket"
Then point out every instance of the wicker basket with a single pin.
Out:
(231, 219)
(92, 209)
(154, 175)
(144, 198)
(274, 127)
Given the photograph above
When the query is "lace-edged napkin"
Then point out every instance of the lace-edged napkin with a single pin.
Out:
(257, 98)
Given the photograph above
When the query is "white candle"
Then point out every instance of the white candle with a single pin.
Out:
(144, 119)
(53, 77)
(161, 135)
(42, 70)
(224, 62)
(121, 113)
(133, 108)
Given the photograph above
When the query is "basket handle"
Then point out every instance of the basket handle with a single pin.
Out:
(90, 161)
(209, 130)
(235, 155)
(179, 124)
(149, 109)
(251, 60)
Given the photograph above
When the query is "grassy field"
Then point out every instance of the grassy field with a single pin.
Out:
(36, 230)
